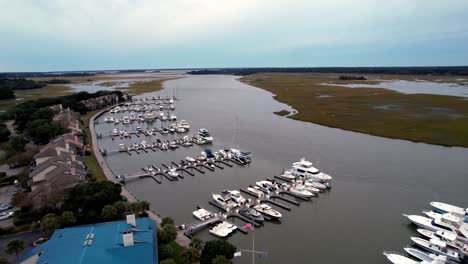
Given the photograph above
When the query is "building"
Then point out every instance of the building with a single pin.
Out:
(131, 241)
(58, 167)
(70, 120)
(102, 101)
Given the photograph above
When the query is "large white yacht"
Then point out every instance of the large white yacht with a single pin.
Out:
(304, 168)
(436, 246)
(448, 208)
(225, 201)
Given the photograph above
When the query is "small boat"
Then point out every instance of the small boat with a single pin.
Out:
(200, 141)
(122, 148)
(139, 129)
(163, 130)
(316, 184)
(172, 117)
(116, 121)
(115, 132)
(190, 159)
(301, 191)
(236, 196)
(436, 246)
(173, 173)
(267, 210)
(184, 124)
(126, 120)
(202, 214)
(266, 186)
(252, 214)
(172, 107)
(288, 175)
(224, 201)
(180, 130)
(109, 119)
(256, 190)
(309, 188)
(125, 134)
(149, 168)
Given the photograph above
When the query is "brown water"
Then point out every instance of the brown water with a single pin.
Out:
(375, 179)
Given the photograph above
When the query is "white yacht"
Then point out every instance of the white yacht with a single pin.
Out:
(316, 184)
(173, 117)
(126, 120)
(149, 168)
(115, 132)
(184, 124)
(122, 148)
(448, 208)
(436, 246)
(397, 258)
(236, 196)
(421, 255)
(267, 210)
(116, 121)
(301, 191)
(109, 119)
(202, 214)
(304, 168)
(266, 186)
(449, 238)
(256, 190)
(224, 201)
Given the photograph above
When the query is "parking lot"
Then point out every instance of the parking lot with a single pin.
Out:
(6, 193)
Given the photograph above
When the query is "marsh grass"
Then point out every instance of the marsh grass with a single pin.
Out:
(434, 119)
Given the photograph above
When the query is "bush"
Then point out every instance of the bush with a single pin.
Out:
(168, 233)
(4, 133)
(215, 248)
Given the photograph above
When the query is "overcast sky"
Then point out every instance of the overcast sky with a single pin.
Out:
(121, 34)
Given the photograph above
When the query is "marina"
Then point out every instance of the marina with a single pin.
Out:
(364, 166)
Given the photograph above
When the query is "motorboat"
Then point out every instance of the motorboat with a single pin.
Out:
(252, 214)
(116, 121)
(126, 120)
(180, 130)
(397, 258)
(444, 208)
(122, 148)
(144, 145)
(308, 187)
(202, 214)
(242, 156)
(452, 222)
(149, 132)
(190, 159)
(236, 196)
(184, 124)
(224, 201)
(225, 153)
(449, 238)
(201, 158)
(436, 246)
(421, 255)
(429, 224)
(267, 210)
(203, 133)
(208, 153)
(125, 134)
(149, 168)
(266, 186)
(172, 117)
(256, 190)
(301, 191)
(200, 141)
(115, 132)
(304, 168)
(173, 173)
(172, 107)
(164, 130)
(109, 119)
(288, 175)
(139, 129)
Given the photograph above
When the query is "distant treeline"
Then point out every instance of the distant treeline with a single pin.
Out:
(44, 74)
(455, 70)
(352, 78)
(9, 85)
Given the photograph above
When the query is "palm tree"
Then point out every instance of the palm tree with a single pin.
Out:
(15, 246)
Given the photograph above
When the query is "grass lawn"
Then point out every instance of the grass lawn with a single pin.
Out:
(90, 160)
(51, 90)
(435, 119)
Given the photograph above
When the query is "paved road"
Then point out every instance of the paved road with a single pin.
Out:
(9, 125)
(27, 237)
(181, 238)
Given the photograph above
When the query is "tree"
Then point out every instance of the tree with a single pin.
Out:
(4, 132)
(68, 218)
(167, 220)
(109, 213)
(15, 246)
(18, 143)
(214, 248)
(220, 259)
(143, 206)
(122, 208)
(191, 255)
(167, 261)
(3, 261)
(168, 233)
(49, 223)
(196, 243)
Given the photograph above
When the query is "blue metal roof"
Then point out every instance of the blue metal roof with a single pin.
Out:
(67, 245)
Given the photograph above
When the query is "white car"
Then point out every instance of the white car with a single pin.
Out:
(5, 215)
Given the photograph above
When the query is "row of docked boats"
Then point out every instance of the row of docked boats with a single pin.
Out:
(444, 232)
(139, 118)
(181, 127)
(158, 144)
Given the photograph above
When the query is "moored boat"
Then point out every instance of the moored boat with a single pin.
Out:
(267, 210)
